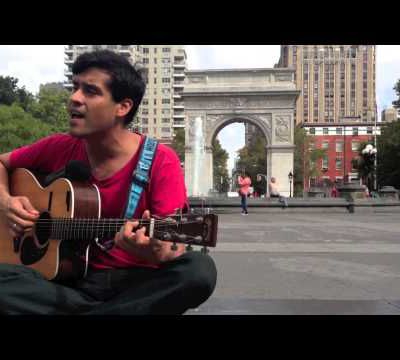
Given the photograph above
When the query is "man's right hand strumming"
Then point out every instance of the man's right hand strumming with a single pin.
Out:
(20, 214)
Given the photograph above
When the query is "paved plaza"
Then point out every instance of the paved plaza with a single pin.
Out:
(306, 263)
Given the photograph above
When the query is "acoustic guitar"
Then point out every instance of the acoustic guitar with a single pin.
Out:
(70, 225)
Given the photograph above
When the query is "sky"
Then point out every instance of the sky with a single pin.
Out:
(38, 64)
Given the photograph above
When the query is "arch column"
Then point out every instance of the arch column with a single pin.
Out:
(279, 164)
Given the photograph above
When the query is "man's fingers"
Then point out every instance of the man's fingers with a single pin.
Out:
(17, 207)
(128, 228)
(14, 219)
(28, 206)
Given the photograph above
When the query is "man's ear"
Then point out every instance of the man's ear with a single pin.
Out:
(124, 107)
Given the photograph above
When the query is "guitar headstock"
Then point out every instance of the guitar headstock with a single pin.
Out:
(190, 229)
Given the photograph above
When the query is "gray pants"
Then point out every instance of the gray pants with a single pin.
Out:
(177, 286)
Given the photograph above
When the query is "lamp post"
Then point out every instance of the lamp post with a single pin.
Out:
(369, 153)
(290, 183)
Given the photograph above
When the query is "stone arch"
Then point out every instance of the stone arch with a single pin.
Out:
(262, 97)
(226, 120)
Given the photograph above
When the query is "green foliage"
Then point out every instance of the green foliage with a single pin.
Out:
(388, 146)
(220, 169)
(51, 108)
(306, 160)
(396, 103)
(10, 93)
(178, 143)
(253, 160)
(18, 128)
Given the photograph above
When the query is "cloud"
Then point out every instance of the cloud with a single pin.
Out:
(232, 56)
(32, 65)
(387, 74)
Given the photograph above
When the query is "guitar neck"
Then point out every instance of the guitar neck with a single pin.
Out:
(88, 228)
(188, 229)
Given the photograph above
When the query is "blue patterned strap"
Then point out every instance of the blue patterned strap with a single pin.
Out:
(141, 175)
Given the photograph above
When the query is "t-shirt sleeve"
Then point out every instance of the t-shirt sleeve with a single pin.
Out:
(37, 156)
(167, 186)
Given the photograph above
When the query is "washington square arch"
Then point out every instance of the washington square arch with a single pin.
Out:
(215, 98)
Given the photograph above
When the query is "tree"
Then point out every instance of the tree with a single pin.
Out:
(11, 93)
(306, 160)
(396, 103)
(51, 108)
(178, 143)
(18, 128)
(388, 147)
(220, 169)
(253, 160)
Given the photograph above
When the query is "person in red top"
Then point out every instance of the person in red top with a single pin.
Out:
(138, 275)
(244, 182)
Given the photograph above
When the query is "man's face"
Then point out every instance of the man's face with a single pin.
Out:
(91, 105)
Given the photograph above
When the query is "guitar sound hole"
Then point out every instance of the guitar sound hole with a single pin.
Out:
(43, 228)
(30, 253)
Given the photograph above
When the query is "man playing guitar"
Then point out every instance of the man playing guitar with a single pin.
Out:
(139, 274)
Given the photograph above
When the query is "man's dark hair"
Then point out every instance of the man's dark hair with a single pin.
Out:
(126, 81)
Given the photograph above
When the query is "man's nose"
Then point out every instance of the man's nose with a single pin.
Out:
(76, 96)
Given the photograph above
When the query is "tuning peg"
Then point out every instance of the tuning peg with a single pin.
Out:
(174, 247)
(189, 248)
(204, 250)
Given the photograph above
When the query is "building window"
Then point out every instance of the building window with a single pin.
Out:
(166, 101)
(145, 50)
(145, 102)
(145, 121)
(338, 164)
(166, 129)
(155, 101)
(165, 111)
(339, 146)
(325, 163)
(369, 130)
(166, 50)
(166, 80)
(354, 145)
(338, 131)
(325, 131)
(145, 60)
(325, 144)
(355, 131)
(145, 111)
(166, 120)
(312, 131)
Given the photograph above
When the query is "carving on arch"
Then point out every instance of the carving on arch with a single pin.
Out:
(282, 128)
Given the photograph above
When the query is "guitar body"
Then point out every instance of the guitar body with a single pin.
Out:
(55, 259)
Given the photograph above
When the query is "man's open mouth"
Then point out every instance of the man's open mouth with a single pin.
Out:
(76, 115)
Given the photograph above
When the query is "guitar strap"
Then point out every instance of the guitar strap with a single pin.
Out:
(141, 175)
(140, 179)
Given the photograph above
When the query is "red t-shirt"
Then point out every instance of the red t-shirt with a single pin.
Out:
(165, 193)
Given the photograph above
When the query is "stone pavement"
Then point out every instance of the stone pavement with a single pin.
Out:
(306, 263)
